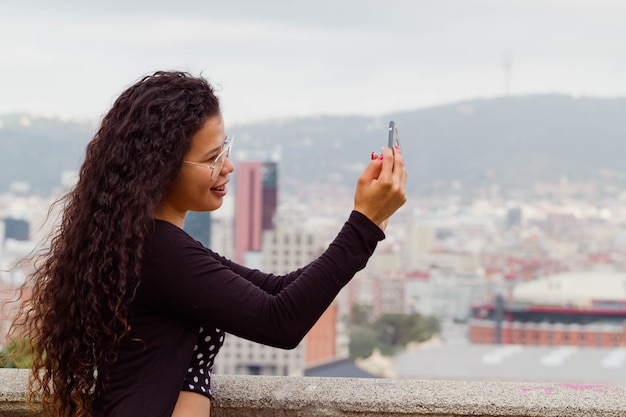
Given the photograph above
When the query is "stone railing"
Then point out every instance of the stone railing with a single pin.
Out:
(261, 396)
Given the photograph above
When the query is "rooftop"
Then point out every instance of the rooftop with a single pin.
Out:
(573, 288)
(516, 363)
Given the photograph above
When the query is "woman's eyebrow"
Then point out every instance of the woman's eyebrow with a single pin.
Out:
(216, 149)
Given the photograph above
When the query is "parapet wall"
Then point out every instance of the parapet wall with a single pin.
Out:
(261, 396)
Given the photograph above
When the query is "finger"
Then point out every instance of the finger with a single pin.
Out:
(387, 166)
(397, 155)
(399, 168)
(399, 172)
(372, 170)
(403, 181)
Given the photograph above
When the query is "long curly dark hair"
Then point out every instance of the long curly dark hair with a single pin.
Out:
(86, 278)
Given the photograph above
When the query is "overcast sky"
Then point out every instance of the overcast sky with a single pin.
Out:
(287, 58)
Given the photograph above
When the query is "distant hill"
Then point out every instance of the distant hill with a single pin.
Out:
(38, 149)
(511, 141)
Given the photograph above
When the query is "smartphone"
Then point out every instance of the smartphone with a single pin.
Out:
(394, 139)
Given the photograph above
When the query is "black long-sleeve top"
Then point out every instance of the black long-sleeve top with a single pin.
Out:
(185, 285)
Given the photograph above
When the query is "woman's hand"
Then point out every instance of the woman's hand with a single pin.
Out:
(381, 188)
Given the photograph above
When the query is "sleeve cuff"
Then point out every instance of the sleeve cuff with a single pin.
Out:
(364, 221)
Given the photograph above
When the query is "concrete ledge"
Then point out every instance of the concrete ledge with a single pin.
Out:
(238, 396)
(13, 383)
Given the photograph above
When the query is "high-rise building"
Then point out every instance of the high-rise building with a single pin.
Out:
(287, 248)
(17, 229)
(198, 225)
(321, 341)
(256, 197)
(283, 250)
(513, 217)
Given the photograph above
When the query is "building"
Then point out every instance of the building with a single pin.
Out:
(445, 296)
(569, 308)
(276, 244)
(513, 217)
(198, 225)
(584, 368)
(17, 229)
(256, 198)
(321, 341)
(284, 248)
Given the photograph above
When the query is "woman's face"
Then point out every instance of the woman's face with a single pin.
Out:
(196, 188)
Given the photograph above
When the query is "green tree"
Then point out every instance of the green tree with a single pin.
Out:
(389, 333)
(17, 354)
(360, 315)
(363, 340)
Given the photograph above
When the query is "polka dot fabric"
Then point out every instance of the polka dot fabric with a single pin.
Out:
(198, 378)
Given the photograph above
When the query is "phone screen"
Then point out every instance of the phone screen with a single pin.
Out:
(394, 139)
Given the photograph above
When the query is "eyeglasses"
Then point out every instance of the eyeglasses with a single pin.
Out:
(218, 164)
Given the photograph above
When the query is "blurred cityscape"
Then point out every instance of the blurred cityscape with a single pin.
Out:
(527, 284)
(545, 272)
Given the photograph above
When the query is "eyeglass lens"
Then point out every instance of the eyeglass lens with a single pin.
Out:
(219, 163)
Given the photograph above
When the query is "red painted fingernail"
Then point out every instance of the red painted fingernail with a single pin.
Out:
(380, 157)
(373, 155)
(396, 147)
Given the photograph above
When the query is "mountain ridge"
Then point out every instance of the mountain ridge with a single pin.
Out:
(514, 141)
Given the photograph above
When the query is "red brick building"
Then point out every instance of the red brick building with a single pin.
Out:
(577, 309)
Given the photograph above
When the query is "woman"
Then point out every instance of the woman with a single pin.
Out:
(128, 311)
